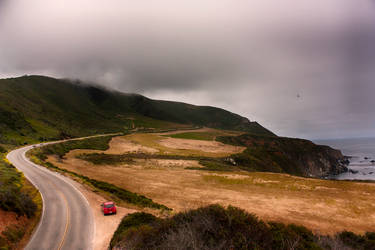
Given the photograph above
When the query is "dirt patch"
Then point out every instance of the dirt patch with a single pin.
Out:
(204, 146)
(121, 145)
(105, 226)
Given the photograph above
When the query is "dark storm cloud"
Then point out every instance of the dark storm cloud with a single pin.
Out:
(300, 67)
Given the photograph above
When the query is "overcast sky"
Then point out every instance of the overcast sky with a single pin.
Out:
(301, 68)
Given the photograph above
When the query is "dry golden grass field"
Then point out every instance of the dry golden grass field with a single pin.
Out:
(324, 206)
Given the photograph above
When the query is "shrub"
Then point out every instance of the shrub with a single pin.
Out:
(131, 221)
(12, 197)
(365, 242)
(211, 227)
(13, 233)
(3, 244)
(216, 227)
(60, 149)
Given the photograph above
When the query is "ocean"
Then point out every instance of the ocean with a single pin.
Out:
(362, 151)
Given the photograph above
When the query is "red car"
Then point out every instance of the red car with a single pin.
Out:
(109, 208)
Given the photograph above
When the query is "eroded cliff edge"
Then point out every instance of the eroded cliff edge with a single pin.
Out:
(287, 155)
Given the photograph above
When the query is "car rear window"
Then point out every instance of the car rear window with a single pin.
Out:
(109, 205)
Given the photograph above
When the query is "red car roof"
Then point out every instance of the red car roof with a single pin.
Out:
(108, 203)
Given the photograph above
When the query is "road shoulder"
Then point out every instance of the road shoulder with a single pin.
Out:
(105, 226)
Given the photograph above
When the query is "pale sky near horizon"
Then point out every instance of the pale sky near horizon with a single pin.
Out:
(301, 68)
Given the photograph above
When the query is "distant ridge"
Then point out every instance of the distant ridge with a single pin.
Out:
(32, 107)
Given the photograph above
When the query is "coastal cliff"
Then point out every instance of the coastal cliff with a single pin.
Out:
(287, 155)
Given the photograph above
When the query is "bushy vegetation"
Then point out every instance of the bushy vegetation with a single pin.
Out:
(205, 136)
(12, 197)
(216, 227)
(60, 149)
(361, 242)
(131, 221)
(113, 159)
(108, 159)
(11, 236)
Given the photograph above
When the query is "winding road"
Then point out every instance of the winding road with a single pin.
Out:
(67, 221)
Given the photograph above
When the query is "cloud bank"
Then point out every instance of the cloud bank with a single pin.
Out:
(300, 67)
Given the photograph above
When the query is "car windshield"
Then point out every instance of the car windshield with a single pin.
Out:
(108, 205)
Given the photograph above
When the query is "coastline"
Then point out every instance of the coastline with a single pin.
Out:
(360, 153)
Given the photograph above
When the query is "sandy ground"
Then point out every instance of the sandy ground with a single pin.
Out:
(204, 146)
(105, 226)
(324, 206)
(120, 145)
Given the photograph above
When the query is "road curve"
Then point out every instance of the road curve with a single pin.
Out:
(67, 221)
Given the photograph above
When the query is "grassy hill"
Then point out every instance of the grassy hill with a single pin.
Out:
(33, 108)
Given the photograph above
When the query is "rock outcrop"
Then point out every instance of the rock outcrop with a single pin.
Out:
(287, 155)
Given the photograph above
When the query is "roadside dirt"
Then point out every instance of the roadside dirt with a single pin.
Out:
(105, 226)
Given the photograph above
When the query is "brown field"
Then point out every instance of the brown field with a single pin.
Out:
(323, 206)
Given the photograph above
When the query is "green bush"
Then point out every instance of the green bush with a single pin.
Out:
(212, 227)
(60, 149)
(215, 165)
(3, 244)
(365, 242)
(13, 233)
(12, 198)
(2, 150)
(100, 159)
(216, 227)
(131, 221)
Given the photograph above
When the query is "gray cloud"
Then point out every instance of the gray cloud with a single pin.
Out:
(300, 67)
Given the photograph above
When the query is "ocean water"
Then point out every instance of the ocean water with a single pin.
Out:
(362, 151)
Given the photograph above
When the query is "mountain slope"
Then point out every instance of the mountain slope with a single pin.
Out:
(39, 107)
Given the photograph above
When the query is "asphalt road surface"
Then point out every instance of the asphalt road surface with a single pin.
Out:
(67, 221)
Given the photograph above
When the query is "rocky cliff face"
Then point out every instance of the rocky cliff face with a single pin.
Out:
(322, 162)
(287, 155)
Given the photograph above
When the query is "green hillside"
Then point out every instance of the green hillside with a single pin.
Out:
(34, 108)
